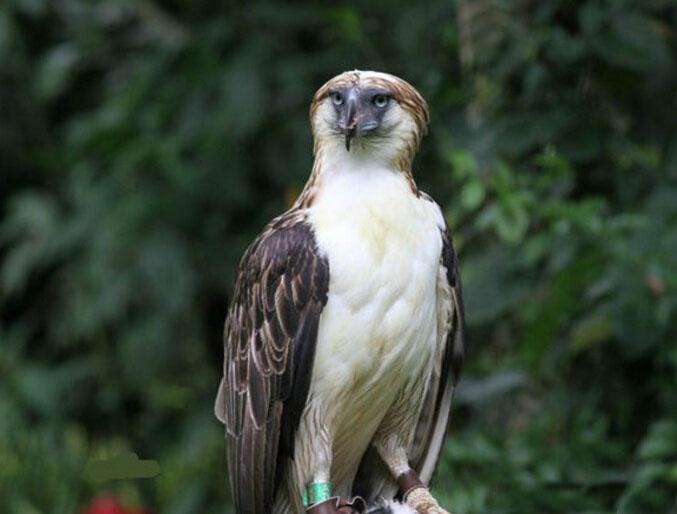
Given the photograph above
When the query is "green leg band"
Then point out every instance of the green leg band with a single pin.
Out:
(318, 492)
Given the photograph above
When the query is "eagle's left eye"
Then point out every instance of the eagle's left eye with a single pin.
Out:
(380, 100)
(337, 98)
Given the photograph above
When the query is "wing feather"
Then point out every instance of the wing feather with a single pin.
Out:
(269, 339)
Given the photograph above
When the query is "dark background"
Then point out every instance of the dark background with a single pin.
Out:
(143, 144)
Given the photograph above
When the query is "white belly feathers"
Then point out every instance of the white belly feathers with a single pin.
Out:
(378, 330)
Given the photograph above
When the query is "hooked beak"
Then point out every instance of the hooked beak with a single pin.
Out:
(349, 122)
(357, 118)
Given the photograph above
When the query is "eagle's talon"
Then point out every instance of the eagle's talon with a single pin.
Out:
(437, 510)
(423, 502)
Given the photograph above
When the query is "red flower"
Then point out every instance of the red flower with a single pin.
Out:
(109, 504)
(105, 504)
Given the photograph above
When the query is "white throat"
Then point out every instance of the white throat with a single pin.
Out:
(358, 183)
(359, 198)
(365, 173)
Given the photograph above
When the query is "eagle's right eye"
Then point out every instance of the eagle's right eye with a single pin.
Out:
(337, 98)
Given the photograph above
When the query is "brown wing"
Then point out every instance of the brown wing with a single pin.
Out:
(432, 424)
(270, 337)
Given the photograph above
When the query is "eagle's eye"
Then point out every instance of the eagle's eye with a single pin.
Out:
(380, 100)
(337, 98)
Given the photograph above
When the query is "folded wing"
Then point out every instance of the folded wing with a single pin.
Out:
(269, 340)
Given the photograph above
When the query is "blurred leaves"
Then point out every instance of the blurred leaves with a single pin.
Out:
(144, 144)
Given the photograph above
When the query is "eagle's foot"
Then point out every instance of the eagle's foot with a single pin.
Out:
(423, 502)
(337, 505)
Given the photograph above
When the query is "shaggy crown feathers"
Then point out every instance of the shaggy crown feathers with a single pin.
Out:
(405, 94)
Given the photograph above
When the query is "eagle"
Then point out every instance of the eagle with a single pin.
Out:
(344, 338)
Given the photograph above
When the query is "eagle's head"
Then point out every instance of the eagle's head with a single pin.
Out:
(369, 114)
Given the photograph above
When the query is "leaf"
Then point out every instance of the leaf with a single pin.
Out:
(512, 222)
(479, 392)
(590, 332)
(660, 442)
(632, 41)
(472, 195)
(463, 164)
(56, 70)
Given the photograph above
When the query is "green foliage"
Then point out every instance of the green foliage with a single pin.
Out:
(145, 143)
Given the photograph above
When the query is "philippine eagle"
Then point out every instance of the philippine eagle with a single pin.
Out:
(344, 337)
